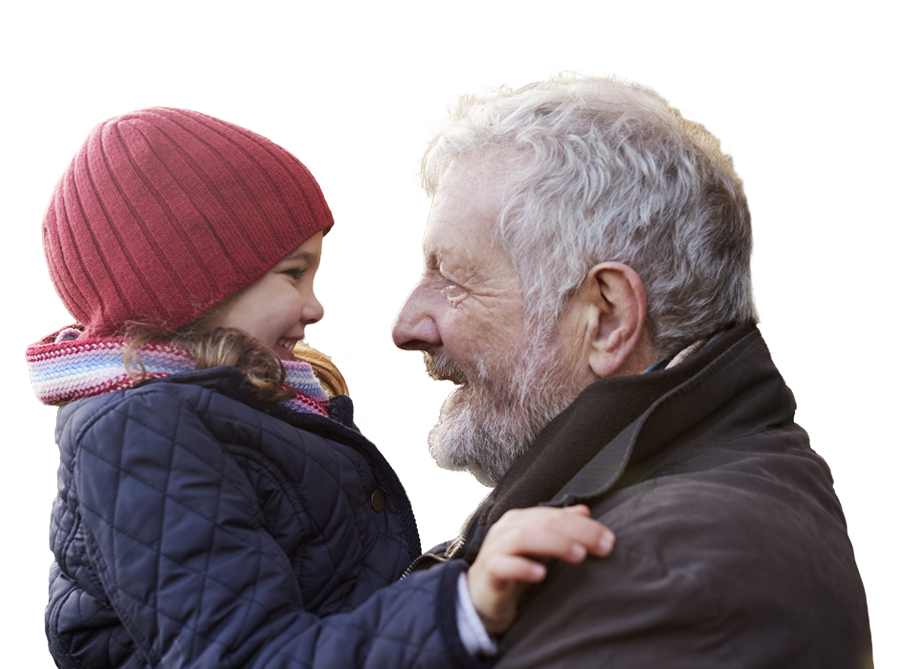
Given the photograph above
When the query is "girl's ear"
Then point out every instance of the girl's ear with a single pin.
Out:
(617, 309)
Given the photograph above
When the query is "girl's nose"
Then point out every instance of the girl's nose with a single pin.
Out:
(313, 311)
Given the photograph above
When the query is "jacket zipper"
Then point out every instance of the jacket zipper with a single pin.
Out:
(421, 560)
(452, 550)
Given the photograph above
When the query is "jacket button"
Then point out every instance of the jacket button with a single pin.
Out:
(378, 501)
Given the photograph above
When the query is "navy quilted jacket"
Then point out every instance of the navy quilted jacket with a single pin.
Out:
(192, 530)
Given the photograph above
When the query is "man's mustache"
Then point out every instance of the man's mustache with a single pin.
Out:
(442, 368)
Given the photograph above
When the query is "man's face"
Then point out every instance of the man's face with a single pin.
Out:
(466, 314)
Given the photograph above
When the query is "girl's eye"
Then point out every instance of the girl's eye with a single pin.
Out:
(294, 273)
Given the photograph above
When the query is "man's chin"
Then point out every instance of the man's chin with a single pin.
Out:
(487, 423)
(483, 442)
(444, 448)
(454, 403)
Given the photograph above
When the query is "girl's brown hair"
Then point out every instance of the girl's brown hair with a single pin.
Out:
(212, 347)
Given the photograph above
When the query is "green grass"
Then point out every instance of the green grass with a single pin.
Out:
(439, 524)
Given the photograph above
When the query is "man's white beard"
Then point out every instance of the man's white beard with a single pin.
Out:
(488, 423)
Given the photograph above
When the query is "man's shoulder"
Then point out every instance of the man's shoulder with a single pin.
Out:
(735, 564)
(715, 523)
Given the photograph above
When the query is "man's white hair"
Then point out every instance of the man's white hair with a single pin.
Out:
(602, 170)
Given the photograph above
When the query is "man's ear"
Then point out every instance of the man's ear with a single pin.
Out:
(613, 294)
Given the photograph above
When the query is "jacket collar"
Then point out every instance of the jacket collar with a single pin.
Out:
(229, 381)
(614, 423)
(709, 384)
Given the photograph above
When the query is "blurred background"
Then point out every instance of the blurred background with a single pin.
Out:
(802, 94)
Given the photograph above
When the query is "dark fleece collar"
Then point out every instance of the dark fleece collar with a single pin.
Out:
(575, 437)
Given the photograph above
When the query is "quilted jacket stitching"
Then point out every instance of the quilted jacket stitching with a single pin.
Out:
(100, 565)
(134, 628)
(309, 456)
(359, 460)
(167, 496)
(258, 460)
(346, 588)
(295, 499)
(175, 444)
(218, 505)
(357, 464)
(399, 641)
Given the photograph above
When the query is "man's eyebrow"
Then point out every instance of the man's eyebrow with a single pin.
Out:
(432, 259)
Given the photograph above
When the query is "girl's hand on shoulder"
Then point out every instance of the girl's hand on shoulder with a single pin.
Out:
(515, 549)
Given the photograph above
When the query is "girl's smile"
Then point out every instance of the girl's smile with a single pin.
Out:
(276, 308)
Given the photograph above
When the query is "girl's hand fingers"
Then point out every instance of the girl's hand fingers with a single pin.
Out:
(512, 555)
(551, 533)
(580, 509)
(539, 544)
(512, 568)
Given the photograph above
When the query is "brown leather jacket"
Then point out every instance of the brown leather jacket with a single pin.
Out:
(732, 549)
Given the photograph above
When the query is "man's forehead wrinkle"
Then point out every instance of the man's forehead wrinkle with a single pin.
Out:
(460, 243)
(436, 248)
(462, 262)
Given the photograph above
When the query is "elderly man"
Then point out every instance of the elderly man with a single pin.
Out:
(587, 287)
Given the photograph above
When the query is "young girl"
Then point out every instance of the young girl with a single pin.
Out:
(216, 507)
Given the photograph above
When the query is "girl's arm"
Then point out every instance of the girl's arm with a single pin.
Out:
(174, 532)
(515, 549)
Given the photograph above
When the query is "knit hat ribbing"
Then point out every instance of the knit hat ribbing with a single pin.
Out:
(164, 213)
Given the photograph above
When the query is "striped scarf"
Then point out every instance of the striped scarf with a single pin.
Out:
(65, 367)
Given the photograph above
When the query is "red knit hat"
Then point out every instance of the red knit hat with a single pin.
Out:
(164, 213)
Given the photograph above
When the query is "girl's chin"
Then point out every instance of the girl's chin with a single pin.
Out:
(283, 353)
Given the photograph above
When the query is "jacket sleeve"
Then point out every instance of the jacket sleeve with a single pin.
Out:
(625, 611)
(174, 532)
(707, 573)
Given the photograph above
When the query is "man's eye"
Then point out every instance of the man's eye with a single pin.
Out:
(454, 294)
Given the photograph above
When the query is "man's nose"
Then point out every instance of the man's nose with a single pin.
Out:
(414, 327)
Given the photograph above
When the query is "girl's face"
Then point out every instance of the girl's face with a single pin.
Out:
(276, 309)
